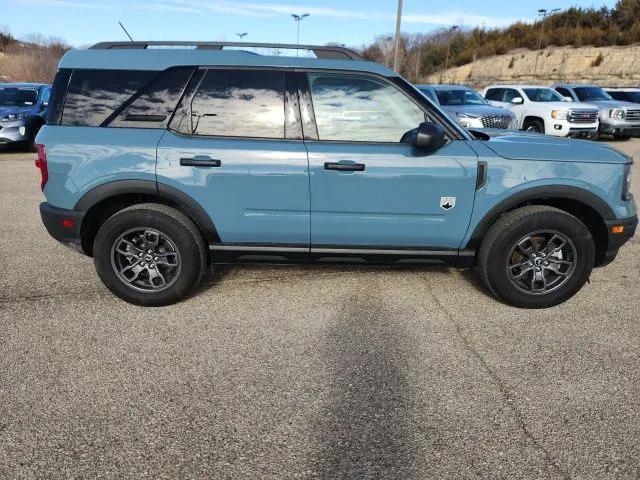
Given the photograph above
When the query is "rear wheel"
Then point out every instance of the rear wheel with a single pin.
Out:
(536, 257)
(535, 126)
(149, 255)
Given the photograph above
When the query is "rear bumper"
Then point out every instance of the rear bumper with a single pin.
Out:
(617, 240)
(53, 217)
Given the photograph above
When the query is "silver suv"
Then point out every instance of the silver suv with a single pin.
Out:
(468, 108)
(618, 118)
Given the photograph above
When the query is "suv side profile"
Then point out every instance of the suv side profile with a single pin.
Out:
(23, 108)
(159, 161)
(617, 118)
(542, 110)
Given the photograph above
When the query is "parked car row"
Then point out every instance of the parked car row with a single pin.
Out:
(562, 110)
(23, 108)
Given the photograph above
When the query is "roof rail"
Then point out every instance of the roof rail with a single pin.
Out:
(320, 51)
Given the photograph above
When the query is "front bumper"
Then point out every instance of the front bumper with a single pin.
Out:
(13, 132)
(617, 240)
(587, 133)
(53, 217)
(620, 128)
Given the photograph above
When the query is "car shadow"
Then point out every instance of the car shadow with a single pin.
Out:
(365, 428)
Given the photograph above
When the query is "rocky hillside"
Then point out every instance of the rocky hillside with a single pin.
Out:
(609, 66)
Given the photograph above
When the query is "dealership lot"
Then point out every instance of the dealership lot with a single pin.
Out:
(305, 372)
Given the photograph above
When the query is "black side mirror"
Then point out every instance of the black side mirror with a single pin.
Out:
(429, 137)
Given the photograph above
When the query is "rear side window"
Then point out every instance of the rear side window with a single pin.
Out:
(494, 94)
(56, 101)
(236, 103)
(123, 98)
(93, 95)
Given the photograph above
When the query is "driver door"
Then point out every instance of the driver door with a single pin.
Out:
(369, 189)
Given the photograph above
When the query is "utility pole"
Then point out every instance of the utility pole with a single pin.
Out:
(544, 13)
(396, 47)
(451, 30)
(298, 19)
(241, 36)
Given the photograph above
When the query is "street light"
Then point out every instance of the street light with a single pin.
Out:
(451, 30)
(298, 19)
(544, 13)
(241, 36)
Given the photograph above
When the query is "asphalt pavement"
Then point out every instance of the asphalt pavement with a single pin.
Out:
(308, 372)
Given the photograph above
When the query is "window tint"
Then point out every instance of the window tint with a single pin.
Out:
(361, 109)
(542, 95)
(59, 90)
(18, 96)
(564, 92)
(152, 106)
(236, 103)
(428, 93)
(618, 95)
(585, 94)
(494, 94)
(459, 97)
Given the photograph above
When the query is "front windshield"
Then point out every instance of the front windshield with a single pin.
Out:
(542, 95)
(459, 97)
(586, 94)
(18, 97)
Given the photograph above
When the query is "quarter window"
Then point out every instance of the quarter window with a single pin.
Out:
(93, 95)
(236, 103)
(361, 109)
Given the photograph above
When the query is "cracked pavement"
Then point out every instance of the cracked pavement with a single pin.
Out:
(308, 372)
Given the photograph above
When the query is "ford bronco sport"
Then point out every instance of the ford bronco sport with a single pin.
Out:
(157, 161)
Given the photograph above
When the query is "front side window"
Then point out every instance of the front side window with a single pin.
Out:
(459, 97)
(18, 97)
(564, 92)
(542, 95)
(361, 109)
(236, 103)
(510, 94)
(586, 94)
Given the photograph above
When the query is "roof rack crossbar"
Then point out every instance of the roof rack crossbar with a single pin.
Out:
(326, 51)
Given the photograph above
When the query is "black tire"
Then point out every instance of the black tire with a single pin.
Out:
(535, 126)
(172, 226)
(499, 248)
(621, 137)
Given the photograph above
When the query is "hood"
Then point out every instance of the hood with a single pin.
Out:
(478, 110)
(8, 110)
(613, 103)
(534, 146)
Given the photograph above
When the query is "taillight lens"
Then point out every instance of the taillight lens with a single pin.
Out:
(41, 163)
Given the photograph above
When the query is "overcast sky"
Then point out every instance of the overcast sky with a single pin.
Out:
(352, 22)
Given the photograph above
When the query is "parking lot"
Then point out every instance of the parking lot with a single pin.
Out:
(308, 372)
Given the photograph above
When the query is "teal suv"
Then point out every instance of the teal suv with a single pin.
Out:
(160, 161)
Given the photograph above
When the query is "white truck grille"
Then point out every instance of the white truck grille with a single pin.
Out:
(583, 116)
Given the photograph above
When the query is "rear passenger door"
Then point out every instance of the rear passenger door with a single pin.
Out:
(235, 146)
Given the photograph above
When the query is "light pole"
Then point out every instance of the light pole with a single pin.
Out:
(451, 30)
(241, 36)
(544, 13)
(298, 19)
(396, 47)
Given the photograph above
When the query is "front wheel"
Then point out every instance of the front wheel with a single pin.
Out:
(534, 126)
(536, 257)
(149, 254)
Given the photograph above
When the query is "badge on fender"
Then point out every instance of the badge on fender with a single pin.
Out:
(447, 203)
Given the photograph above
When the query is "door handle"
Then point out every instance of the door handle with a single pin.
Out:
(344, 167)
(200, 162)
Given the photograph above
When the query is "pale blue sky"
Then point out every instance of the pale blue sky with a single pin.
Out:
(352, 22)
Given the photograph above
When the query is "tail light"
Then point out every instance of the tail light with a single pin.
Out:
(41, 163)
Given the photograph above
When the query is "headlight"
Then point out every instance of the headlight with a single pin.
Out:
(626, 182)
(13, 116)
(466, 115)
(559, 114)
(616, 113)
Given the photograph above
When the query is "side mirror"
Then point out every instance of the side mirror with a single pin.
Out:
(429, 137)
(517, 101)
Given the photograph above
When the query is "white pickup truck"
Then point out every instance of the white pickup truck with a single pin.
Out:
(543, 110)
